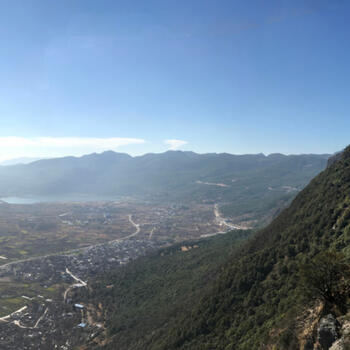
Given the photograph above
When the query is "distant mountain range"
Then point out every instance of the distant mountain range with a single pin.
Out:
(21, 160)
(242, 184)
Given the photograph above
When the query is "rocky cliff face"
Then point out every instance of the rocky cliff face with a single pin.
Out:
(327, 332)
(343, 343)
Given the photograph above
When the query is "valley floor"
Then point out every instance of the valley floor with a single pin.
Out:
(38, 293)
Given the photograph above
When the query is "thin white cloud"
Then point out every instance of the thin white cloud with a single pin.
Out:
(12, 147)
(175, 144)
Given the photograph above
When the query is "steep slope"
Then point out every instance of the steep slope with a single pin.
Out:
(140, 301)
(258, 291)
(248, 187)
(255, 302)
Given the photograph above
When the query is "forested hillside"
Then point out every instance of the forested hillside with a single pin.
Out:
(258, 299)
(141, 301)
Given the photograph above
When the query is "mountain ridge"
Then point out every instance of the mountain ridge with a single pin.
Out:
(250, 188)
(111, 152)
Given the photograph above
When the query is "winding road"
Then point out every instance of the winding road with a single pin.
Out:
(5, 318)
(137, 226)
(18, 323)
(80, 284)
(220, 220)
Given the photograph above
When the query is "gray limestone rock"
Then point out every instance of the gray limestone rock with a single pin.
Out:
(328, 331)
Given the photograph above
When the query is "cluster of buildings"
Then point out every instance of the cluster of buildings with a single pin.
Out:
(62, 323)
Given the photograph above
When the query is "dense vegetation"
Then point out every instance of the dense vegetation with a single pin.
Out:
(256, 299)
(142, 299)
(256, 293)
(326, 278)
(253, 187)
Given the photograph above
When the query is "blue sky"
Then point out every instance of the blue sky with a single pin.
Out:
(210, 76)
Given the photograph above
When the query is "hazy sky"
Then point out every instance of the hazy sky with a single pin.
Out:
(245, 76)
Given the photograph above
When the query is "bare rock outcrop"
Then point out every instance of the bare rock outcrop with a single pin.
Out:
(328, 331)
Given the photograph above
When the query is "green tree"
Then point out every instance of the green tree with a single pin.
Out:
(326, 277)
